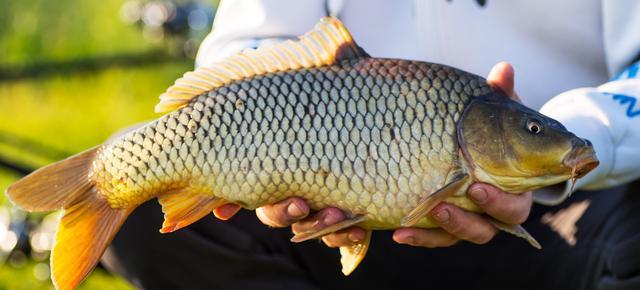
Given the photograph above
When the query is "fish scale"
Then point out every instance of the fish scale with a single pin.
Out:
(363, 135)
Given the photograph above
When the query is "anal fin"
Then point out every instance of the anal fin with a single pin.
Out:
(516, 230)
(351, 256)
(309, 235)
(429, 202)
(186, 206)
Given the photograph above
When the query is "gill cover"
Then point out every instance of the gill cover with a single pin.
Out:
(513, 147)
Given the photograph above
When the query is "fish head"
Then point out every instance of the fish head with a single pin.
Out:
(518, 149)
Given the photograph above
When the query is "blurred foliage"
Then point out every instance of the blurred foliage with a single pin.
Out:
(33, 31)
(46, 117)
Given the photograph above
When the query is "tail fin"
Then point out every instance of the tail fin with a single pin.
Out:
(86, 229)
(88, 223)
(54, 186)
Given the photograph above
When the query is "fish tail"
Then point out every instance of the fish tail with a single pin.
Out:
(55, 186)
(88, 223)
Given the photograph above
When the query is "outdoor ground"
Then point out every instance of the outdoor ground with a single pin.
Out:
(71, 73)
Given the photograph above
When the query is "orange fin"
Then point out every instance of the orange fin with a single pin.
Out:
(301, 237)
(86, 228)
(328, 42)
(88, 223)
(54, 186)
(184, 207)
(350, 257)
(430, 201)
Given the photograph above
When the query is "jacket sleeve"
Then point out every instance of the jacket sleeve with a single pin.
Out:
(241, 24)
(608, 115)
(620, 21)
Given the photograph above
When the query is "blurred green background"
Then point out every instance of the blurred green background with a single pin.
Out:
(73, 72)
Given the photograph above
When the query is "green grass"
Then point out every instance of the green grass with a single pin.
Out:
(72, 113)
(68, 112)
(76, 112)
(33, 31)
(24, 278)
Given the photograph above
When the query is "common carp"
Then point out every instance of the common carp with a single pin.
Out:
(385, 140)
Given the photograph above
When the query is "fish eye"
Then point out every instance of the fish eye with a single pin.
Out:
(534, 126)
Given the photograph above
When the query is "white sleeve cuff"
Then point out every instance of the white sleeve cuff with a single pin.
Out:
(605, 116)
(576, 110)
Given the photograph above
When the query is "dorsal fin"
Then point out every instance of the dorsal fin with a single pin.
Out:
(329, 41)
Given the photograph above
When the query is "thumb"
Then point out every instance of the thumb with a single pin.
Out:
(502, 77)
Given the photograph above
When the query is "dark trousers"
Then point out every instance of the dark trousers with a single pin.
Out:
(244, 254)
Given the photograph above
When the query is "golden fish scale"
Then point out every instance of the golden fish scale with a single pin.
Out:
(370, 136)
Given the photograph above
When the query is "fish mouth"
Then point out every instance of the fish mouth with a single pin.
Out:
(581, 160)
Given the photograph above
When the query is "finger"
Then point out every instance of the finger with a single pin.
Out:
(283, 213)
(462, 224)
(502, 76)
(346, 237)
(509, 208)
(319, 220)
(226, 211)
(429, 238)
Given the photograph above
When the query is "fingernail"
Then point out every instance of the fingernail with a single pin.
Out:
(294, 211)
(479, 195)
(353, 237)
(442, 216)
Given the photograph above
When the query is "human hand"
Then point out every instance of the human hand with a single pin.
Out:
(294, 212)
(455, 223)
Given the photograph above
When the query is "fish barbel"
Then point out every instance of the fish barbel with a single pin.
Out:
(385, 140)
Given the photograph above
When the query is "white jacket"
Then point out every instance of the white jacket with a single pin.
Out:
(554, 46)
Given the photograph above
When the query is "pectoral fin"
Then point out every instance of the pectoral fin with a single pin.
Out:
(430, 201)
(516, 230)
(352, 256)
(309, 235)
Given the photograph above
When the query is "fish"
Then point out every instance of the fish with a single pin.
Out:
(385, 140)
